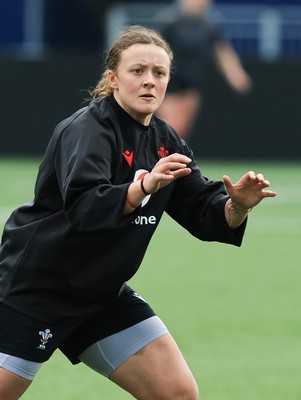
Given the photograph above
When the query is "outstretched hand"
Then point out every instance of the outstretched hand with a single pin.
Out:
(248, 191)
(164, 172)
(167, 170)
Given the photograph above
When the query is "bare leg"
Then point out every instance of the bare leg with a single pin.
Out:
(180, 111)
(157, 372)
(12, 386)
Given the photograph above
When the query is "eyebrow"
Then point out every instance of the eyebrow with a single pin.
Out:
(142, 64)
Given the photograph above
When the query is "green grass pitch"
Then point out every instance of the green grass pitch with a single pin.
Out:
(235, 312)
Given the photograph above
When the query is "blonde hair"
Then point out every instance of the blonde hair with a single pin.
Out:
(131, 35)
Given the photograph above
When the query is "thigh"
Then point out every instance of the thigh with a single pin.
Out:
(128, 310)
(158, 371)
(19, 366)
(12, 386)
(106, 355)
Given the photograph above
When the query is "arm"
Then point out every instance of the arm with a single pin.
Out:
(244, 195)
(231, 67)
(84, 160)
(203, 206)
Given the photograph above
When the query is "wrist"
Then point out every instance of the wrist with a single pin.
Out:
(234, 214)
(130, 203)
(238, 209)
(145, 192)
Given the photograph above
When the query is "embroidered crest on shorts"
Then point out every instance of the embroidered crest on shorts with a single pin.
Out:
(45, 336)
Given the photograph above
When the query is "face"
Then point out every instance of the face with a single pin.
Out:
(140, 81)
(195, 7)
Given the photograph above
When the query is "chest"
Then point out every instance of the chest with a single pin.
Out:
(138, 153)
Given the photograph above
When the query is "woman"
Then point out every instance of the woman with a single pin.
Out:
(196, 44)
(108, 174)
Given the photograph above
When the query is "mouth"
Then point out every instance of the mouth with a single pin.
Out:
(147, 96)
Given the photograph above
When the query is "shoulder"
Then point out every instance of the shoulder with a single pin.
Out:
(102, 108)
(93, 126)
(166, 134)
(89, 117)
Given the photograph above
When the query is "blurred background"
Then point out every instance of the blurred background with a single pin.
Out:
(51, 53)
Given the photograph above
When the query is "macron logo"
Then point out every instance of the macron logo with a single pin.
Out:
(128, 155)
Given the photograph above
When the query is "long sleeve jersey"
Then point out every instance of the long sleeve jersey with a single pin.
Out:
(68, 252)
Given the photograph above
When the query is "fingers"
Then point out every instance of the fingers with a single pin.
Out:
(269, 193)
(172, 166)
(227, 181)
(181, 172)
(261, 181)
(250, 175)
(255, 183)
(176, 157)
(169, 165)
(166, 170)
(256, 178)
(173, 160)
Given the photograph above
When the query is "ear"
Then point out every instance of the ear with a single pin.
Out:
(112, 79)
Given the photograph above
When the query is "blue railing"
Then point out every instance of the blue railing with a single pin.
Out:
(255, 30)
(267, 31)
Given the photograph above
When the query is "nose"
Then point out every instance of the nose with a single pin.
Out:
(149, 80)
(148, 84)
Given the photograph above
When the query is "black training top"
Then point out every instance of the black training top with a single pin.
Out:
(192, 40)
(68, 252)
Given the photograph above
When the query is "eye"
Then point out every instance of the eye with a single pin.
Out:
(160, 72)
(137, 70)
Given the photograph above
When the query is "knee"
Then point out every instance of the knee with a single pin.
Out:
(187, 390)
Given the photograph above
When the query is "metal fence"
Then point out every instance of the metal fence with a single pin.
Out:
(255, 30)
(262, 30)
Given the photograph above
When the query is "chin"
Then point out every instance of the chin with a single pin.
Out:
(149, 109)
